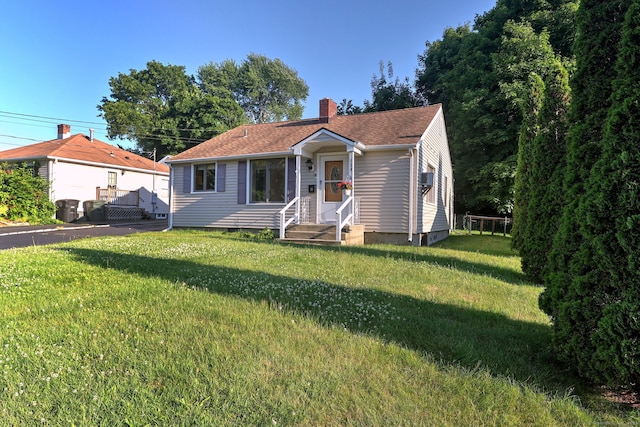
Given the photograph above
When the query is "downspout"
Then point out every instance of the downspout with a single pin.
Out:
(50, 164)
(171, 183)
(412, 191)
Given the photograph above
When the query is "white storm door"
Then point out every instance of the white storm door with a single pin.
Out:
(333, 169)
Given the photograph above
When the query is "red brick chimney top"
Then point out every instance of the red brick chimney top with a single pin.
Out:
(328, 110)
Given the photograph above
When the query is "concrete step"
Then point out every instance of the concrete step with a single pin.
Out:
(311, 235)
(323, 234)
(319, 228)
(319, 242)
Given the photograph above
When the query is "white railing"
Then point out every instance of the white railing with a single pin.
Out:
(305, 203)
(340, 222)
(283, 214)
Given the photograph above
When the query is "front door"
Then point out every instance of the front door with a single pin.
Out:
(333, 169)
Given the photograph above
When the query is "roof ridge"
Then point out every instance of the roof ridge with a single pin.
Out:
(316, 119)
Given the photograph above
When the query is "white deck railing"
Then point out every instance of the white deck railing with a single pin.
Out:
(118, 197)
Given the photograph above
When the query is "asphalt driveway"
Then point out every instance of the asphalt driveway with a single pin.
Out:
(22, 236)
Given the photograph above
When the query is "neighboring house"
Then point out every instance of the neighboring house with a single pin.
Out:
(277, 175)
(81, 168)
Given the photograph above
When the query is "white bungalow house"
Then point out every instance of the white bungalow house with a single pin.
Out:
(80, 168)
(294, 177)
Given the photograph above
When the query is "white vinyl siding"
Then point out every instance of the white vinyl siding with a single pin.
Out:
(309, 178)
(220, 209)
(436, 215)
(382, 184)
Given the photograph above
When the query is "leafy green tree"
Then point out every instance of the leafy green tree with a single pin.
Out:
(267, 90)
(346, 107)
(390, 94)
(522, 51)
(496, 179)
(161, 107)
(24, 196)
(546, 169)
(578, 284)
(481, 82)
(528, 132)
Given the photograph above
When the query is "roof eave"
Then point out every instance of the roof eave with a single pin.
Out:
(389, 147)
(25, 159)
(227, 158)
(107, 165)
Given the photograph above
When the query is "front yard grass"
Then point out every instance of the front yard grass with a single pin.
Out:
(203, 328)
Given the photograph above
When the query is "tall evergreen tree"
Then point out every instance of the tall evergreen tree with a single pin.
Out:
(546, 175)
(528, 132)
(612, 206)
(574, 294)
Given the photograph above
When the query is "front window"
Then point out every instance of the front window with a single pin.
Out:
(268, 179)
(205, 177)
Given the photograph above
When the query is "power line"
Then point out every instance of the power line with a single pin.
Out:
(50, 118)
(33, 118)
(29, 124)
(19, 137)
(59, 120)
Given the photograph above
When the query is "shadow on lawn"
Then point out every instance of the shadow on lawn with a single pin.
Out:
(504, 274)
(451, 334)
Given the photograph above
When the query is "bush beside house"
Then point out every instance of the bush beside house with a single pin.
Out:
(24, 197)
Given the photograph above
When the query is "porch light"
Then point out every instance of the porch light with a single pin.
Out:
(309, 164)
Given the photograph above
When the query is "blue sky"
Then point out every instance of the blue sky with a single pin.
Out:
(58, 56)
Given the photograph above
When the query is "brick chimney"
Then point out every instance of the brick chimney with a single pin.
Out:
(64, 131)
(328, 110)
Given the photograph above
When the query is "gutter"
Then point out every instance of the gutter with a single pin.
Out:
(389, 147)
(226, 158)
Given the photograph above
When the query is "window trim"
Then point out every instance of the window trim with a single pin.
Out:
(250, 181)
(110, 174)
(215, 177)
(431, 196)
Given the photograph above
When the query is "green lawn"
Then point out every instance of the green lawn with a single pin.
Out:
(201, 328)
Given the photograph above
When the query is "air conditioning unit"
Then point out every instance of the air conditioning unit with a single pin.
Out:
(426, 179)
